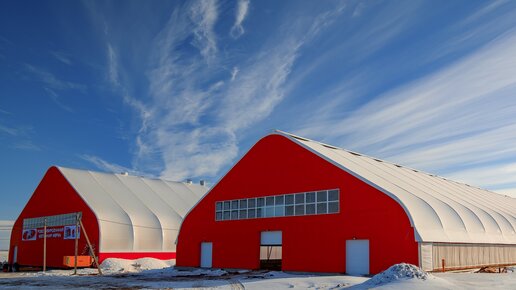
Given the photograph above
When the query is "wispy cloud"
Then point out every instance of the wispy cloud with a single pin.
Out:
(55, 98)
(107, 166)
(51, 80)
(20, 137)
(458, 116)
(195, 113)
(62, 57)
(241, 13)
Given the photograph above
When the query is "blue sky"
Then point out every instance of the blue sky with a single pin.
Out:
(182, 90)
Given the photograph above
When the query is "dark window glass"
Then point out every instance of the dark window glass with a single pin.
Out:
(234, 214)
(310, 197)
(251, 203)
(333, 195)
(259, 213)
(243, 214)
(321, 208)
(289, 210)
(251, 213)
(279, 199)
(227, 215)
(218, 205)
(321, 196)
(227, 205)
(310, 208)
(234, 204)
(269, 211)
(300, 198)
(269, 200)
(333, 207)
(280, 210)
(300, 209)
(218, 216)
(260, 202)
(243, 203)
(289, 199)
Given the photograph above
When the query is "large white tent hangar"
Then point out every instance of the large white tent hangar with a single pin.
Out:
(124, 217)
(321, 202)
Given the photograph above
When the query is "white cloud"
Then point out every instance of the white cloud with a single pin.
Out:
(241, 13)
(195, 117)
(112, 66)
(460, 116)
(62, 57)
(107, 166)
(204, 15)
(51, 80)
(55, 98)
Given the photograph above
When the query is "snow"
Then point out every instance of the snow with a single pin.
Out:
(155, 274)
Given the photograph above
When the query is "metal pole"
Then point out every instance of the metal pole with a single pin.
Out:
(76, 243)
(45, 245)
(92, 254)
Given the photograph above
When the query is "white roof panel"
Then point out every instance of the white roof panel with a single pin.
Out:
(135, 214)
(439, 209)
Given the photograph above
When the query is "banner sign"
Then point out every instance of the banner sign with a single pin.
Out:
(66, 233)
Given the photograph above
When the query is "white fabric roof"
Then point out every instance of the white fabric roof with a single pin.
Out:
(135, 214)
(440, 210)
(5, 235)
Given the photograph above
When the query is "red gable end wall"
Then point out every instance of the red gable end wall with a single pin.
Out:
(53, 196)
(276, 165)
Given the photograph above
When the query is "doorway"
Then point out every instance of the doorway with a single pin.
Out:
(271, 250)
(357, 257)
(206, 255)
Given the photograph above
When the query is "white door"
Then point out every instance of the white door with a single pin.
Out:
(206, 254)
(357, 257)
(15, 254)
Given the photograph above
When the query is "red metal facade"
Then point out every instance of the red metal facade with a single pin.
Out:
(276, 165)
(53, 196)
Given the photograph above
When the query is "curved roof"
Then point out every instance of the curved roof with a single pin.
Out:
(440, 210)
(135, 214)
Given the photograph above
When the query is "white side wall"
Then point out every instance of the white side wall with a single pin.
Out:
(5, 238)
(465, 255)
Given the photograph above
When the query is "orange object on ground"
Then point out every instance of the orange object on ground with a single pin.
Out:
(82, 261)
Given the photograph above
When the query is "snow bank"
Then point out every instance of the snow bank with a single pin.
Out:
(399, 272)
(402, 276)
(114, 265)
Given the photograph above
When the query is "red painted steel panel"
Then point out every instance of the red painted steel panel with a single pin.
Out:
(276, 165)
(53, 196)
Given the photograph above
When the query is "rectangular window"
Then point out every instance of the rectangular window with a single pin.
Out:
(333, 207)
(300, 209)
(293, 204)
(333, 195)
(321, 196)
(310, 197)
(269, 200)
(300, 198)
(310, 208)
(322, 208)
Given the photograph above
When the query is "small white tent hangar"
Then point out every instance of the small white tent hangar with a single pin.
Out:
(124, 216)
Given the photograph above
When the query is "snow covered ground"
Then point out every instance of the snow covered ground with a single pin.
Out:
(156, 274)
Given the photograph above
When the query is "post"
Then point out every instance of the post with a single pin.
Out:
(76, 243)
(45, 245)
(92, 254)
(442, 261)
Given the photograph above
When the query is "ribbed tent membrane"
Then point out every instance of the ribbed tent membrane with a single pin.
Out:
(467, 224)
(135, 214)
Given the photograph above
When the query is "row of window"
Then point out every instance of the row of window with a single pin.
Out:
(296, 204)
(52, 221)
